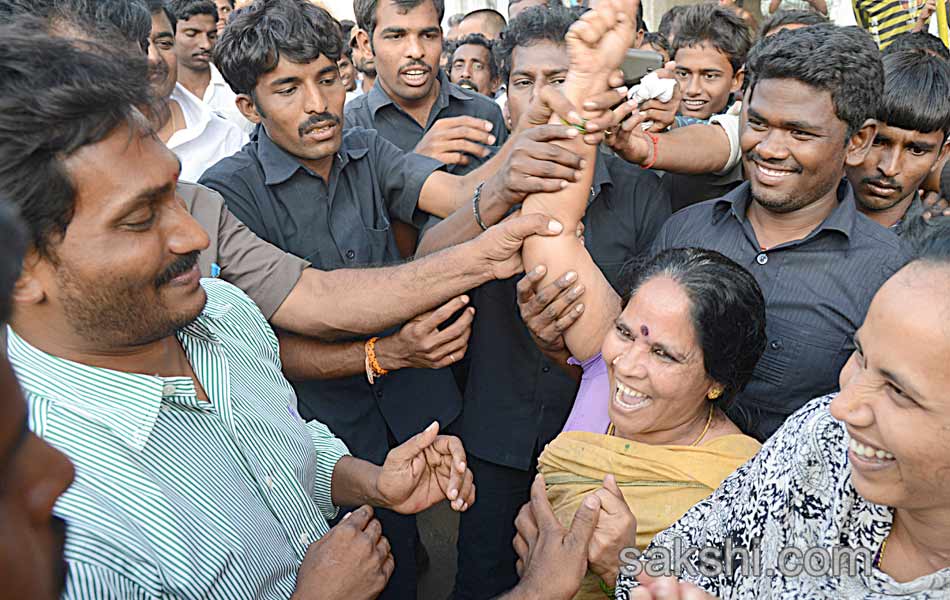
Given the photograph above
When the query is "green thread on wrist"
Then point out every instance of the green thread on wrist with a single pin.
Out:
(581, 128)
(609, 591)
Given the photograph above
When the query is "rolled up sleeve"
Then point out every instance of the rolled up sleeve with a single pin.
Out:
(329, 449)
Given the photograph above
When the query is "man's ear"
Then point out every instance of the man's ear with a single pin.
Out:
(859, 144)
(738, 80)
(364, 42)
(248, 108)
(29, 288)
(942, 157)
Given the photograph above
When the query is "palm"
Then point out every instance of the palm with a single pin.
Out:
(602, 51)
(412, 485)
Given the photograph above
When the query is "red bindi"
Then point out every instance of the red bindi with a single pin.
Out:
(644, 330)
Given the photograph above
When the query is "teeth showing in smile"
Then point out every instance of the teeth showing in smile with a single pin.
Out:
(694, 102)
(869, 451)
(773, 172)
(628, 398)
(415, 73)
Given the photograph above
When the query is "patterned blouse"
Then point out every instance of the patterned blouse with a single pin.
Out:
(791, 506)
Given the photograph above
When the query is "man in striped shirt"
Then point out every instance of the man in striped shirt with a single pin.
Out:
(196, 477)
(887, 19)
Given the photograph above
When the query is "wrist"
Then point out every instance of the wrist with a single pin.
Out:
(390, 354)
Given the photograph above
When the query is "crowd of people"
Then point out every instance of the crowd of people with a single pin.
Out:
(273, 284)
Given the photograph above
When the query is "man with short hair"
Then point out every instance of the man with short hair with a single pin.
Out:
(365, 64)
(196, 475)
(913, 122)
(920, 41)
(808, 112)
(224, 8)
(196, 31)
(790, 19)
(413, 104)
(485, 21)
(453, 23)
(512, 381)
(188, 126)
(472, 66)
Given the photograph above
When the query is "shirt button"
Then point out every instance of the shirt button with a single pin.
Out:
(776, 344)
(168, 389)
(304, 539)
(350, 254)
(762, 258)
(546, 369)
(379, 393)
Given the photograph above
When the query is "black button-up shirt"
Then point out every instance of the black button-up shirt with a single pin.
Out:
(343, 222)
(376, 110)
(516, 400)
(817, 292)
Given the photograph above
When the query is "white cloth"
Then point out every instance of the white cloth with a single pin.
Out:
(652, 87)
(220, 97)
(206, 138)
(729, 121)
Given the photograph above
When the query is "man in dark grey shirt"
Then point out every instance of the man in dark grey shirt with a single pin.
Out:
(413, 104)
(794, 225)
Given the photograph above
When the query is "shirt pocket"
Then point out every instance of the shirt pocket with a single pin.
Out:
(801, 362)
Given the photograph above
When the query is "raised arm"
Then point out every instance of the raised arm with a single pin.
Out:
(596, 44)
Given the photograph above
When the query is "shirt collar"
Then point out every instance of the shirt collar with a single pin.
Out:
(126, 403)
(197, 116)
(841, 219)
(279, 165)
(377, 97)
(217, 78)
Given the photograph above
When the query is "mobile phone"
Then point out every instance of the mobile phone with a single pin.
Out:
(638, 63)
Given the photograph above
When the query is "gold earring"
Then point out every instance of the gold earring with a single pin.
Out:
(714, 393)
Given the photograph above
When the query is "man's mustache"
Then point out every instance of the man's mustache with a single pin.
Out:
(316, 121)
(468, 83)
(182, 264)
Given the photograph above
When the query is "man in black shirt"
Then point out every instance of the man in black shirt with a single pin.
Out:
(517, 400)
(794, 225)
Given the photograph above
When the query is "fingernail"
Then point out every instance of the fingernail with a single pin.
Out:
(554, 227)
(573, 117)
(453, 494)
(346, 516)
(590, 105)
(462, 466)
(570, 276)
(580, 308)
(622, 89)
(465, 506)
(464, 299)
(578, 289)
(632, 102)
(491, 140)
(488, 126)
(433, 425)
(540, 268)
(583, 163)
(571, 132)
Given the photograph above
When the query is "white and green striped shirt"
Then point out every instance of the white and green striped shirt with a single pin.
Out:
(176, 497)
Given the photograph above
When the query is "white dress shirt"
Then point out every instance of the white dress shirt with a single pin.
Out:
(219, 96)
(206, 138)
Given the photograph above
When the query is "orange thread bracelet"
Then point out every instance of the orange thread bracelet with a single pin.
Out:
(370, 348)
(656, 149)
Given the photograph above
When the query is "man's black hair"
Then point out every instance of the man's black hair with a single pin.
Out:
(258, 35)
(669, 22)
(57, 96)
(654, 38)
(186, 9)
(11, 259)
(535, 24)
(719, 27)
(784, 18)
(916, 93)
(478, 39)
(491, 13)
(455, 19)
(919, 41)
(86, 19)
(366, 11)
(155, 6)
(843, 61)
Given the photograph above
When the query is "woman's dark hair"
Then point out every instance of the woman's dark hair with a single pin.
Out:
(726, 306)
(844, 61)
(258, 35)
(58, 95)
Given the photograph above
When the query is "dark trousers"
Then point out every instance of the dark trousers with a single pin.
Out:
(486, 559)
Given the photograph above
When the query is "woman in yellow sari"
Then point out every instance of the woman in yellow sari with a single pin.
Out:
(686, 341)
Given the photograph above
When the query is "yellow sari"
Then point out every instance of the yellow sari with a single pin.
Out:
(660, 483)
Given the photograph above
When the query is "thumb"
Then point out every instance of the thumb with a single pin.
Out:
(610, 484)
(535, 224)
(585, 521)
(416, 444)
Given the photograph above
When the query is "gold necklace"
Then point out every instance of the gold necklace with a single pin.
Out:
(880, 555)
(712, 408)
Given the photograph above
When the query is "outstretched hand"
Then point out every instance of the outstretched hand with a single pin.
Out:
(425, 470)
(598, 41)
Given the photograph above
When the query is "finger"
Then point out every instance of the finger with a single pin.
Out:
(560, 105)
(541, 507)
(634, 122)
(519, 568)
(610, 484)
(388, 567)
(450, 354)
(551, 292)
(607, 100)
(550, 133)
(449, 446)
(688, 591)
(464, 122)
(442, 314)
(536, 185)
(383, 549)
(451, 334)
(616, 79)
(585, 520)
(412, 447)
(520, 546)
(541, 167)
(562, 305)
(452, 158)
(475, 148)
(374, 530)
(472, 134)
(466, 492)
(528, 284)
(571, 317)
(359, 518)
